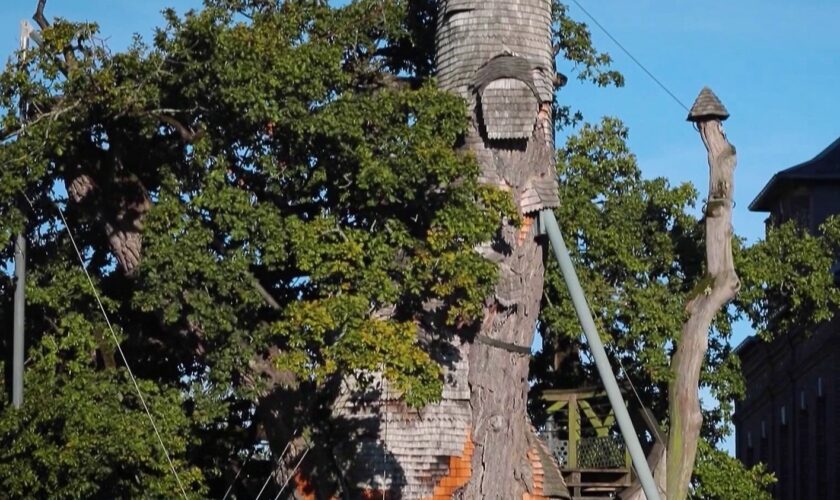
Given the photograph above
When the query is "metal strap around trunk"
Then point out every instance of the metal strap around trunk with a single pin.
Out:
(518, 349)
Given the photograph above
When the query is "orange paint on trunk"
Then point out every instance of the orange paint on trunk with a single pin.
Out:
(460, 470)
(527, 224)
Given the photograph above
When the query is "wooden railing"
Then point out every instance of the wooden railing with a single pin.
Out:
(582, 435)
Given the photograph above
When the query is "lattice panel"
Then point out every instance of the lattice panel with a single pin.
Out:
(605, 452)
(560, 449)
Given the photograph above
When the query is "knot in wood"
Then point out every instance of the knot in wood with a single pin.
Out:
(497, 423)
(715, 206)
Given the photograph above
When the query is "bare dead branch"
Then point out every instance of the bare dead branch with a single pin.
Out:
(9, 133)
(39, 17)
(718, 287)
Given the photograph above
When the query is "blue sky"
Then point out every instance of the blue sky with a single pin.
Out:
(775, 65)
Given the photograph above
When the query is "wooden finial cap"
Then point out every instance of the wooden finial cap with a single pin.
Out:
(707, 107)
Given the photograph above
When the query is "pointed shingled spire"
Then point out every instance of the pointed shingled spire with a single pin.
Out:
(707, 107)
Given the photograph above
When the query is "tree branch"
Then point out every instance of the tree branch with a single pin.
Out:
(718, 288)
(41, 20)
(38, 17)
(186, 133)
(269, 299)
(264, 293)
(383, 80)
(8, 133)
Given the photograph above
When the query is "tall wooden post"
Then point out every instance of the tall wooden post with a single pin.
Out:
(718, 287)
(574, 432)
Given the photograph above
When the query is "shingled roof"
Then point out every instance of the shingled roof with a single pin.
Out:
(707, 106)
(547, 475)
(825, 167)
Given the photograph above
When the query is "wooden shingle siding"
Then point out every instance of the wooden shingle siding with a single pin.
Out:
(707, 105)
(460, 470)
(526, 32)
(407, 450)
(552, 483)
(508, 107)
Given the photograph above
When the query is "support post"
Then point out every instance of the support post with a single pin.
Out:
(549, 224)
(574, 432)
(20, 272)
(19, 310)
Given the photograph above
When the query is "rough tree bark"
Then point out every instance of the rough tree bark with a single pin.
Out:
(497, 54)
(127, 203)
(720, 286)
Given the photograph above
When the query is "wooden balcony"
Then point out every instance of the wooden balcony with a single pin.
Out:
(582, 434)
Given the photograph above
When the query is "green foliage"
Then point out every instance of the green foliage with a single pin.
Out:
(786, 280)
(722, 477)
(573, 40)
(307, 201)
(82, 431)
(83, 434)
(306, 205)
(637, 253)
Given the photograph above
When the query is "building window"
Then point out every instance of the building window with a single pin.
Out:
(821, 448)
(803, 443)
(750, 450)
(762, 450)
(783, 460)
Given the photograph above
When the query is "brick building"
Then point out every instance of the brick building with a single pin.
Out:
(790, 418)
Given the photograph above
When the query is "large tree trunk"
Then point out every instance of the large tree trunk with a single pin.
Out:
(497, 54)
(477, 442)
(710, 296)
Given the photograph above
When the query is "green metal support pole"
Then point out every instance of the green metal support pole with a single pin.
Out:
(548, 224)
(20, 273)
(17, 332)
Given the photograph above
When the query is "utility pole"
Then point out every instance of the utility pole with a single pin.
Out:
(20, 268)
